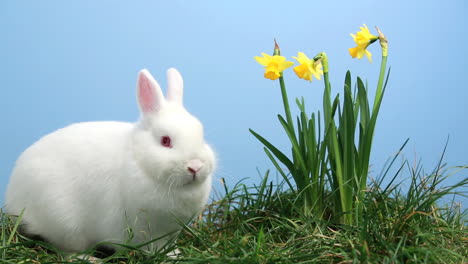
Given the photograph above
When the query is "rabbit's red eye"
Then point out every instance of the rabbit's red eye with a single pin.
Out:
(166, 141)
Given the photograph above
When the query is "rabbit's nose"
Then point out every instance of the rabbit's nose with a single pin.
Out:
(194, 166)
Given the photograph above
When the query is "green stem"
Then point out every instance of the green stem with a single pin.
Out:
(375, 111)
(370, 134)
(284, 94)
(379, 92)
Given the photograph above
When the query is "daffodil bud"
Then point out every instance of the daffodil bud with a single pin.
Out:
(276, 50)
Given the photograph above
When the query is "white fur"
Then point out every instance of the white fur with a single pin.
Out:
(91, 182)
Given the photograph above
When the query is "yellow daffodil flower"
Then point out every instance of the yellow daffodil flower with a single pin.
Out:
(274, 65)
(362, 39)
(307, 67)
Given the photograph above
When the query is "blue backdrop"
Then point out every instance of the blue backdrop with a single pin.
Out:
(69, 61)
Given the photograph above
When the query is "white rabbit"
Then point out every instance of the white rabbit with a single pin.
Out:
(92, 182)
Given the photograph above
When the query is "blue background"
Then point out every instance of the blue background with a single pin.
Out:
(69, 61)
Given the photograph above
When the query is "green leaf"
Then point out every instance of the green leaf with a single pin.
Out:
(363, 102)
(348, 79)
(302, 138)
(347, 133)
(312, 144)
(295, 146)
(278, 168)
(300, 104)
(279, 155)
(336, 104)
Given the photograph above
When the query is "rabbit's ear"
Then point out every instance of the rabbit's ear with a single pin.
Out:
(175, 86)
(149, 94)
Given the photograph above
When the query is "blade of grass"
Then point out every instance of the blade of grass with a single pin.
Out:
(15, 227)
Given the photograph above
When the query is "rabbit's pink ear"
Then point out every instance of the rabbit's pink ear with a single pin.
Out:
(175, 86)
(150, 96)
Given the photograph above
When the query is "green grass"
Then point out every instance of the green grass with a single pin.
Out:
(262, 224)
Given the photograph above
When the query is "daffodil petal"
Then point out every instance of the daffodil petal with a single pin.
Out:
(368, 55)
(287, 64)
(261, 60)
